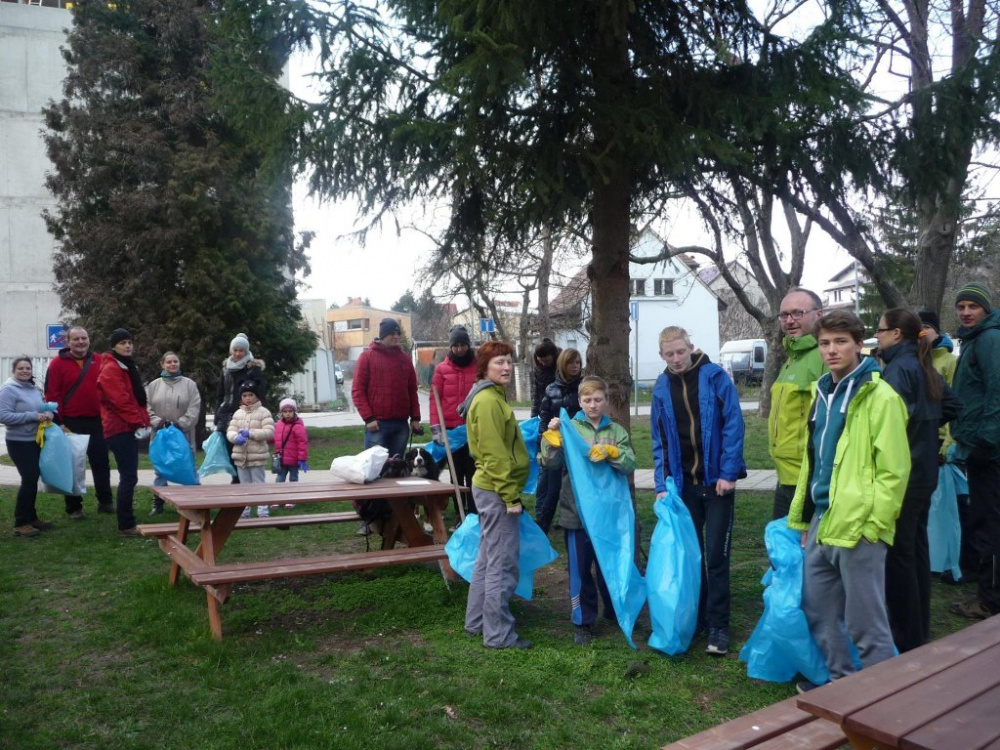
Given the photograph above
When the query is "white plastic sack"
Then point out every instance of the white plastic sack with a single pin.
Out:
(78, 445)
(362, 468)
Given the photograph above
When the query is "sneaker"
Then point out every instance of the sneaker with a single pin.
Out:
(134, 531)
(41, 525)
(157, 509)
(520, 643)
(263, 511)
(971, 608)
(76, 515)
(718, 642)
(106, 508)
(805, 686)
(245, 513)
(26, 530)
(364, 529)
(289, 506)
(582, 635)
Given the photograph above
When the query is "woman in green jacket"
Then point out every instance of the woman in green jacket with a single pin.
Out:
(502, 466)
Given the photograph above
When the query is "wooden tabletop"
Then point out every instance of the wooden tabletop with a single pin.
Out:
(942, 696)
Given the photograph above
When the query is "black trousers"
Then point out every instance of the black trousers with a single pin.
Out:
(713, 520)
(97, 455)
(984, 525)
(24, 454)
(908, 574)
(465, 467)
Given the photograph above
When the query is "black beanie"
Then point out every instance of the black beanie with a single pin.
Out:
(458, 335)
(248, 387)
(119, 335)
(930, 318)
(387, 327)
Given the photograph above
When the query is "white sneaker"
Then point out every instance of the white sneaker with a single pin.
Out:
(245, 513)
(263, 511)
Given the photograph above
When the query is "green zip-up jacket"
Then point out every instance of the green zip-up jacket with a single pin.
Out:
(871, 467)
(977, 383)
(495, 441)
(791, 397)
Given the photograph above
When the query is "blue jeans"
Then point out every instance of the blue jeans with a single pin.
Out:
(292, 472)
(392, 434)
(126, 451)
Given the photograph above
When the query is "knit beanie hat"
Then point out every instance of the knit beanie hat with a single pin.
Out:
(288, 403)
(387, 327)
(119, 335)
(930, 318)
(978, 292)
(458, 335)
(240, 342)
(248, 387)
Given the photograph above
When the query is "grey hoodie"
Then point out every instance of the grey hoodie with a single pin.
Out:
(19, 406)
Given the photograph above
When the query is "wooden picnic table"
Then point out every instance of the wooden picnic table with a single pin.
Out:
(213, 513)
(942, 696)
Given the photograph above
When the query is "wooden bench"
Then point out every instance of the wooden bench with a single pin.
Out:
(782, 726)
(271, 522)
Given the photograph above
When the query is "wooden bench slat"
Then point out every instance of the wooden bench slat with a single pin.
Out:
(971, 727)
(258, 571)
(816, 735)
(271, 522)
(747, 731)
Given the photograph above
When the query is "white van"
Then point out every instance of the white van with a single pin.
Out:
(744, 360)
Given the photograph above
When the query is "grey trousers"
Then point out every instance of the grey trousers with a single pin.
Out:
(843, 595)
(495, 575)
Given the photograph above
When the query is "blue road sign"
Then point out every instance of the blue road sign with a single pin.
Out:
(55, 336)
(486, 325)
(633, 310)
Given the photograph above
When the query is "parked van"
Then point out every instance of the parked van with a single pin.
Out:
(744, 360)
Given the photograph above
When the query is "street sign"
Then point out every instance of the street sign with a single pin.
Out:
(486, 325)
(55, 336)
(633, 310)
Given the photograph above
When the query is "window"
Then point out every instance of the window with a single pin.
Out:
(637, 287)
(357, 324)
(663, 287)
(837, 295)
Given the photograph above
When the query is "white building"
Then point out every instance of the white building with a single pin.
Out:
(843, 288)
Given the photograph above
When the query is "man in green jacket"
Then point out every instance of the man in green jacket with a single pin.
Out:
(801, 310)
(850, 490)
(976, 432)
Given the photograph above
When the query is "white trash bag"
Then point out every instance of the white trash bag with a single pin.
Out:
(362, 468)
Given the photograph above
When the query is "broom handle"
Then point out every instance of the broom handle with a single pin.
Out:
(447, 452)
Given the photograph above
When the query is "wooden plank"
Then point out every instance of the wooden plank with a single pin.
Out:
(273, 522)
(816, 735)
(258, 571)
(904, 712)
(181, 555)
(841, 698)
(748, 731)
(970, 727)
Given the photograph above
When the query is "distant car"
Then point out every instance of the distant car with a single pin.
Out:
(338, 374)
(744, 360)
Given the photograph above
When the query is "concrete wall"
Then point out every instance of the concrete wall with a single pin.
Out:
(31, 73)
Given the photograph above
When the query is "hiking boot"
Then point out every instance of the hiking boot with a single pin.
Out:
(718, 642)
(106, 508)
(76, 515)
(971, 608)
(41, 525)
(582, 635)
(134, 531)
(26, 530)
(520, 643)
(364, 529)
(805, 686)
(263, 511)
(157, 508)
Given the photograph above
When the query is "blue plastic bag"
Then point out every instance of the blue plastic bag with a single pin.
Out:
(458, 437)
(56, 459)
(216, 456)
(171, 455)
(944, 530)
(535, 551)
(781, 645)
(673, 575)
(530, 433)
(605, 507)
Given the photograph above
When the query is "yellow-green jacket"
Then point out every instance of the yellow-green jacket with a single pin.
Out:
(791, 398)
(945, 363)
(502, 463)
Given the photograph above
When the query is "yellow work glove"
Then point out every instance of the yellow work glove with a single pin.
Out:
(597, 453)
(611, 451)
(553, 437)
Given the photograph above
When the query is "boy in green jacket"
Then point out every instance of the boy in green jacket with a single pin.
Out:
(854, 474)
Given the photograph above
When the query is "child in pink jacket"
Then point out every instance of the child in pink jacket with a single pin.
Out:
(291, 445)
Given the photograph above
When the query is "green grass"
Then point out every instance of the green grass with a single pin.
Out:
(98, 652)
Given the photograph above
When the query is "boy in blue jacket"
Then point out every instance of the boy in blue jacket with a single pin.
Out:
(697, 430)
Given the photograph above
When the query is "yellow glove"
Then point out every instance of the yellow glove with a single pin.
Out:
(553, 437)
(597, 453)
(611, 451)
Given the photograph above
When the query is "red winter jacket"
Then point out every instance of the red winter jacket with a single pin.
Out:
(296, 447)
(63, 372)
(453, 384)
(385, 384)
(120, 412)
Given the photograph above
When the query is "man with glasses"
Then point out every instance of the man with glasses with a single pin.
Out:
(800, 312)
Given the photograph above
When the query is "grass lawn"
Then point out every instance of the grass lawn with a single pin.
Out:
(99, 653)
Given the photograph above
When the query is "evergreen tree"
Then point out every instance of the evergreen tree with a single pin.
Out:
(169, 222)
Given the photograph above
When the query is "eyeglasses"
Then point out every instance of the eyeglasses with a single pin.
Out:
(883, 330)
(795, 314)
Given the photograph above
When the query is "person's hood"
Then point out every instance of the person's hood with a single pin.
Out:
(857, 377)
(944, 342)
(15, 382)
(698, 360)
(902, 348)
(477, 387)
(65, 353)
(991, 321)
(252, 363)
(799, 344)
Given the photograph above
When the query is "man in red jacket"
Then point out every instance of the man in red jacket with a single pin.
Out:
(71, 382)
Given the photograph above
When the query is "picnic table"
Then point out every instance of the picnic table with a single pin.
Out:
(213, 514)
(944, 695)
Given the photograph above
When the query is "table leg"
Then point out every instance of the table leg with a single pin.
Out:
(182, 535)
(435, 516)
(861, 743)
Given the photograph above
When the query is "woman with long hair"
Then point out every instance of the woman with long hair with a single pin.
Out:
(906, 351)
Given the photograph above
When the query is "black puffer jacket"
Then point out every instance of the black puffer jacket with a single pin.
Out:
(903, 372)
(543, 378)
(559, 395)
(228, 393)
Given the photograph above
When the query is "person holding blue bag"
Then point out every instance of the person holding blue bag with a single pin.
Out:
(453, 378)
(22, 410)
(172, 399)
(609, 442)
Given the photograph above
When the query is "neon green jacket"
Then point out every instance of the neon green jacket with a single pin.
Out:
(502, 462)
(790, 400)
(870, 470)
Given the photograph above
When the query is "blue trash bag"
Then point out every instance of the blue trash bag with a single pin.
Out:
(944, 530)
(530, 433)
(458, 437)
(781, 645)
(216, 456)
(171, 455)
(56, 459)
(605, 507)
(673, 575)
(535, 551)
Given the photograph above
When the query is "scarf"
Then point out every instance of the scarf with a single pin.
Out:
(245, 362)
(165, 376)
(133, 375)
(463, 361)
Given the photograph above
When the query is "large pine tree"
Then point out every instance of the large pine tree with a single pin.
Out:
(169, 222)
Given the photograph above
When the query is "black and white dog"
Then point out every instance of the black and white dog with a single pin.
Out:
(422, 464)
